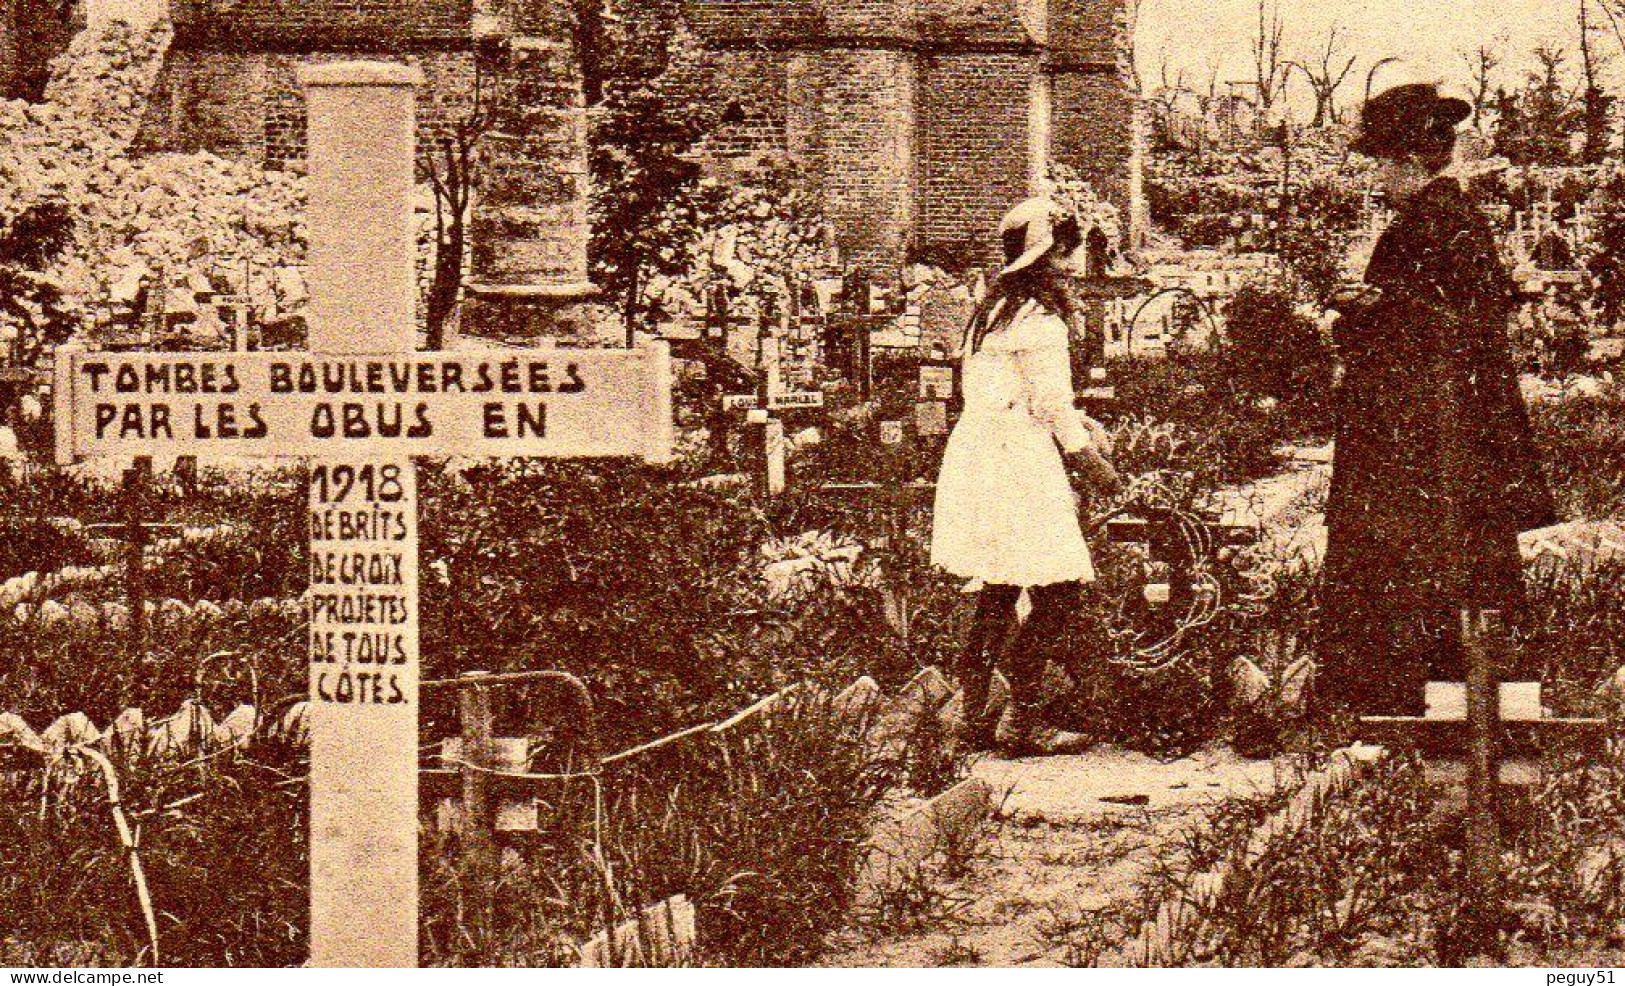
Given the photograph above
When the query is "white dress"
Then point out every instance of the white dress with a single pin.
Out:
(1005, 512)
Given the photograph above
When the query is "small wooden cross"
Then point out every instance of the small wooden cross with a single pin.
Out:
(136, 535)
(1483, 722)
(848, 335)
(763, 408)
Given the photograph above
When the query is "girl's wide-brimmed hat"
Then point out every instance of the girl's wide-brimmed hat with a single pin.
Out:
(1409, 119)
(1028, 231)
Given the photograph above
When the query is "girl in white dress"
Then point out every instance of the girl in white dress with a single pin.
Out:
(1005, 513)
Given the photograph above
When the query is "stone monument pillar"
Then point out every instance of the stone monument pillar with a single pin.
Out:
(529, 228)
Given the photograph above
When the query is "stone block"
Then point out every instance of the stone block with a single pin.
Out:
(237, 728)
(662, 935)
(70, 730)
(126, 733)
(948, 823)
(854, 703)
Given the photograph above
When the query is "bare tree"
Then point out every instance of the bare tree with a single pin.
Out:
(1548, 76)
(1481, 65)
(448, 161)
(1325, 78)
(1596, 101)
(1165, 99)
(1131, 17)
(1614, 10)
(1269, 72)
(1371, 75)
(1207, 99)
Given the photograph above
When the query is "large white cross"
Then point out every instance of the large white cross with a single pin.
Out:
(360, 404)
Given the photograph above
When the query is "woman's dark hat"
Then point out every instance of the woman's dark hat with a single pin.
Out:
(1409, 119)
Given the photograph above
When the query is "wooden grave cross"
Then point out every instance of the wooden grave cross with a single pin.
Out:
(136, 535)
(1499, 729)
(763, 408)
(360, 404)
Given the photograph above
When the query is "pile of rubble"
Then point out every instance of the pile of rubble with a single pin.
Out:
(181, 213)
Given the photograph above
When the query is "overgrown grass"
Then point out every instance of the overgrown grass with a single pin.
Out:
(224, 845)
(1582, 444)
(762, 828)
(48, 672)
(1319, 893)
(1375, 877)
(1573, 636)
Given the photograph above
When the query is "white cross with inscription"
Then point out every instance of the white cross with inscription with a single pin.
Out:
(360, 403)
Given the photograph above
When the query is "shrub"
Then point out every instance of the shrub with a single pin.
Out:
(29, 544)
(602, 569)
(1219, 432)
(1272, 350)
(1582, 445)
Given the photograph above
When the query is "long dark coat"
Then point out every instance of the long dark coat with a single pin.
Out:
(1436, 471)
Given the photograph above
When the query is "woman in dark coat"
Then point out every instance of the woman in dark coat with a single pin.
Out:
(1436, 470)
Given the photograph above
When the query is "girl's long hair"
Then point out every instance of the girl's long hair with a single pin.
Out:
(1009, 293)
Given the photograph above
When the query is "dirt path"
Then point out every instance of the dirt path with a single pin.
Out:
(1074, 835)
(1079, 834)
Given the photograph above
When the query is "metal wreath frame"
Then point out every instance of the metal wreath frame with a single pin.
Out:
(1134, 320)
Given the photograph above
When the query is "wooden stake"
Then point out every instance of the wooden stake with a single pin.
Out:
(1481, 633)
(135, 537)
(479, 839)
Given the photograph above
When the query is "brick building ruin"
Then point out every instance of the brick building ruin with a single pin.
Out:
(924, 120)
(919, 121)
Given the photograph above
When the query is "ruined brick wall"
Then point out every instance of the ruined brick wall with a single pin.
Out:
(1094, 127)
(208, 101)
(864, 131)
(313, 24)
(976, 144)
(923, 120)
(870, 20)
(1087, 31)
(1098, 116)
(9, 48)
(230, 84)
(753, 22)
(248, 104)
(759, 80)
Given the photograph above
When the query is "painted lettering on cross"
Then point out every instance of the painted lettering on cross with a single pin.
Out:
(551, 402)
(363, 582)
(775, 402)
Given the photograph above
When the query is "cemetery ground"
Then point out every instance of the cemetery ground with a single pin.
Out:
(681, 598)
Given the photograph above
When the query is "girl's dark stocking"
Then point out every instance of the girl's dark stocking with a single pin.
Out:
(1038, 639)
(995, 615)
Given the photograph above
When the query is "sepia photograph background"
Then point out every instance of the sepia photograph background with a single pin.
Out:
(679, 323)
